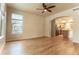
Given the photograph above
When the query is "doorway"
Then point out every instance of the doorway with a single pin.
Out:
(62, 26)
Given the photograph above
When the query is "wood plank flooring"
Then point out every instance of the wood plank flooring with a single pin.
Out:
(42, 46)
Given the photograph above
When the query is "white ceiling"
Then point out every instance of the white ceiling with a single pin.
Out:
(32, 7)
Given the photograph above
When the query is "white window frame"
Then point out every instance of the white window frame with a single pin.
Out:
(14, 31)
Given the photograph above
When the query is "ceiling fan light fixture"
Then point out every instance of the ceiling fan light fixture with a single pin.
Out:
(45, 10)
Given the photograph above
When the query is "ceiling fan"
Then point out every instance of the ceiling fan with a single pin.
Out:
(45, 8)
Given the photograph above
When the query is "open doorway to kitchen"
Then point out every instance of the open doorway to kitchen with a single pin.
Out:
(62, 26)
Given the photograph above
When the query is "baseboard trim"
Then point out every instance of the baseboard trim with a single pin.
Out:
(75, 41)
(27, 39)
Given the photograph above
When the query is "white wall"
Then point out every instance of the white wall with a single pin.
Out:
(75, 25)
(3, 35)
(33, 25)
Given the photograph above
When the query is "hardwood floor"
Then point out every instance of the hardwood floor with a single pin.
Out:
(42, 46)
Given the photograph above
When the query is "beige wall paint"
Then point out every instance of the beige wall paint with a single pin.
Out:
(75, 25)
(33, 25)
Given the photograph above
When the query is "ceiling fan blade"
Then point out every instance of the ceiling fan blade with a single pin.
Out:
(51, 6)
(49, 10)
(44, 6)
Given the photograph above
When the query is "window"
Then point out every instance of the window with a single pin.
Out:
(0, 20)
(17, 23)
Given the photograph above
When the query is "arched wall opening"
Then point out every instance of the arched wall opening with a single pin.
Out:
(62, 26)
